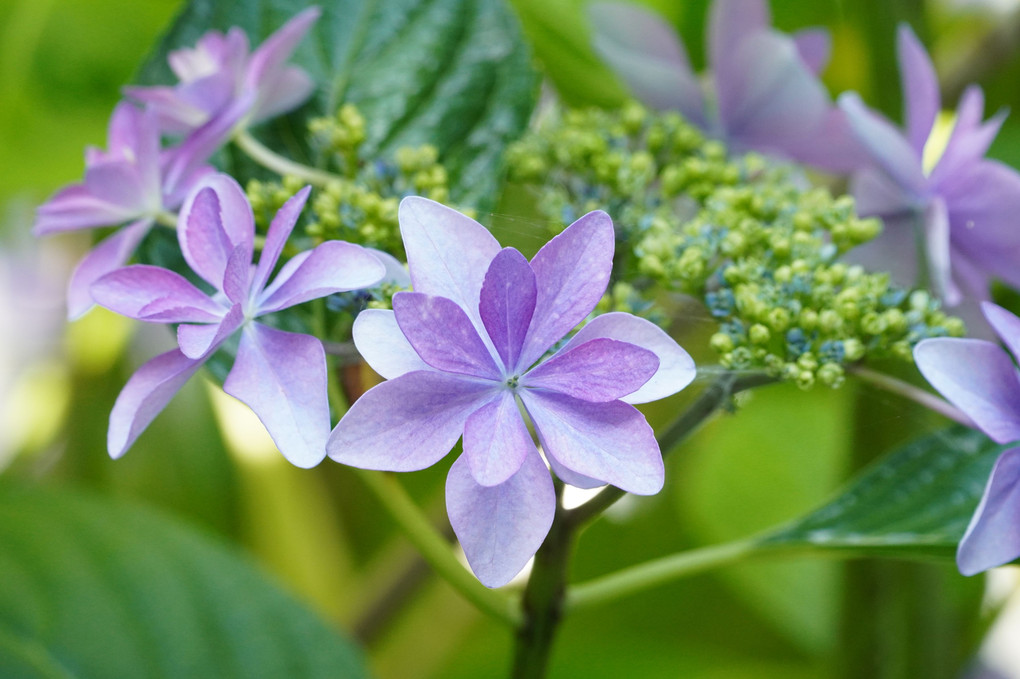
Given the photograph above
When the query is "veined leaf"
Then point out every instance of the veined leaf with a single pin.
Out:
(915, 502)
(99, 589)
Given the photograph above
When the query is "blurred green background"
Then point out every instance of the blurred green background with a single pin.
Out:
(62, 64)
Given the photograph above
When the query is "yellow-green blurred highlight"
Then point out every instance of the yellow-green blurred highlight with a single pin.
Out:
(290, 523)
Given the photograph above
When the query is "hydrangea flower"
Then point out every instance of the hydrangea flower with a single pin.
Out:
(279, 375)
(219, 71)
(462, 357)
(133, 181)
(963, 208)
(979, 378)
(766, 95)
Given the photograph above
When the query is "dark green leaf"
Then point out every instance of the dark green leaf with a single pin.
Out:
(452, 73)
(107, 590)
(916, 502)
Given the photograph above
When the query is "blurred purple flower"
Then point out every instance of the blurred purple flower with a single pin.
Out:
(979, 378)
(460, 357)
(219, 71)
(963, 209)
(133, 182)
(279, 375)
(767, 96)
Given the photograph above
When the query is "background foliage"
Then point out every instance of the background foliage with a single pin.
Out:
(318, 534)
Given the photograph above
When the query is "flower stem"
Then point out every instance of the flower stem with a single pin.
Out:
(901, 388)
(542, 603)
(435, 549)
(656, 572)
(282, 166)
(715, 395)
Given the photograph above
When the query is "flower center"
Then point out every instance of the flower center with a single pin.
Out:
(511, 382)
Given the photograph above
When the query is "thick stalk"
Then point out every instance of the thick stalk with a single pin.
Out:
(542, 604)
(282, 166)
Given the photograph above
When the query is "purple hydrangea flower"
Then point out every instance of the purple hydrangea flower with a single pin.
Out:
(132, 182)
(219, 72)
(963, 209)
(462, 357)
(279, 375)
(767, 96)
(979, 378)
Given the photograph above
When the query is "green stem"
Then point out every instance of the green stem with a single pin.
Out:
(435, 549)
(168, 219)
(652, 573)
(901, 388)
(542, 603)
(280, 165)
(715, 396)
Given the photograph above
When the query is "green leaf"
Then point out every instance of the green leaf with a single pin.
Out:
(452, 73)
(914, 503)
(100, 589)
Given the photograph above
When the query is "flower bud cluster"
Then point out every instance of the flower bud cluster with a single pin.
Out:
(360, 205)
(744, 234)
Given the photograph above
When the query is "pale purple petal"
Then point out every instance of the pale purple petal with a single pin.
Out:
(74, 207)
(408, 423)
(833, 148)
(215, 220)
(175, 115)
(334, 266)
(500, 527)
(983, 206)
(888, 148)
(920, 88)
(276, 238)
(496, 440)
(649, 57)
(774, 99)
(610, 442)
(443, 336)
(150, 293)
(185, 165)
(977, 377)
(507, 304)
(937, 249)
(993, 536)
(118, 183)
(970, 138)
(111, 254)
(572, 271)
(598, 370)
(270, 56)
(1005, 324)
(196, 341)
(814, 45)
(145, 395)
(288, 90)
(281, 376)
(676, 367)
(237, 275)
(396, 271)
(571, 477)
(877, 195)
(896, 248)
(731, 24)
(447, 252)
(383, 346)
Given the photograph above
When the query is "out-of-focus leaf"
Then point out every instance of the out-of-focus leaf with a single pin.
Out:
(452, 73)
(781, 455)
(100, 589)
(914, 503)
